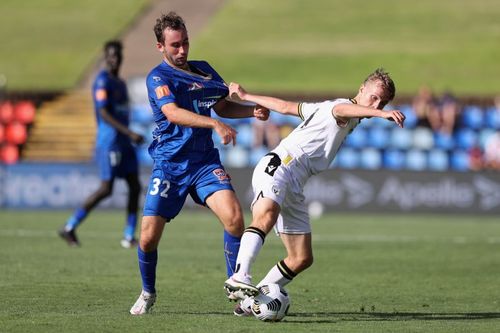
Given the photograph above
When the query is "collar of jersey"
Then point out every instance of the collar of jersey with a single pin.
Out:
(208, 77)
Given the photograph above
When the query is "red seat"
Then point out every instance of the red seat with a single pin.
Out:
(24, 112)
(6, 112)
(2, 134)
(9, 154)
(16, 133)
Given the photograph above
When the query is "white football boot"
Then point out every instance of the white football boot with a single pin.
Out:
(240, 287)
(143, 304)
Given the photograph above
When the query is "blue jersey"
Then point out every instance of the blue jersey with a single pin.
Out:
(110, 92)
(197, 91)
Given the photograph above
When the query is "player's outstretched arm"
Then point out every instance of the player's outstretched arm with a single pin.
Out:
(346, 110)
(237, 92)
(233, 109)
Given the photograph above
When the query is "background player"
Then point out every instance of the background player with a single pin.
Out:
(279, 178)
(115, 155)
(182, 94)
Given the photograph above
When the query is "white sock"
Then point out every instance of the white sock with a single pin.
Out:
(279, 274)
(251, 243)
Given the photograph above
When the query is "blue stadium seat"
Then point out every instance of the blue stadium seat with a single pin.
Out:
(492, 118)
(378, 137)
(438, 160)
(484, 136)
(371, 159)
(237, 157)
(245, 135)
(357, 139)
(443, 141)
(466, 138)
(459, 160)
(411, 117)
(423, 138)
(256, 154)
(394, 159)
(347, 158)
(416, 160)
(401, 138)
(472, 117)
(380, 122)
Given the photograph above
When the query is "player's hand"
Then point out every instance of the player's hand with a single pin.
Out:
(261, 112)
(236, 92)
(226, 132)
(136, 138)
(396, 116)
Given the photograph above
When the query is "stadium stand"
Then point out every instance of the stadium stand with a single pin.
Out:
(63, 130)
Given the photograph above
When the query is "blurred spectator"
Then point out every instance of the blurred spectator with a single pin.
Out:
(448, 111)
(265, 133)
(426, 108)
(492, 152)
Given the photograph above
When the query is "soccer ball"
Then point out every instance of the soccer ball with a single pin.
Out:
(272, 303)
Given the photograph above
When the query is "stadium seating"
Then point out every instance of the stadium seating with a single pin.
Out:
(375, 144)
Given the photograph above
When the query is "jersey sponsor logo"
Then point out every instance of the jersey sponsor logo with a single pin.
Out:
(162, 91)
(221, 175)
(101, 95)
(195, 86)
(207, 104)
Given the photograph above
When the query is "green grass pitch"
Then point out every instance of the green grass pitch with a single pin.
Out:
(372, 273)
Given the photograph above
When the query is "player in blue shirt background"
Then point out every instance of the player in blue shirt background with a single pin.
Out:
(182, 95)
(115, 155)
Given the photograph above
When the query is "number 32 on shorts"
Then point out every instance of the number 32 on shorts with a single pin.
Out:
(156, 187)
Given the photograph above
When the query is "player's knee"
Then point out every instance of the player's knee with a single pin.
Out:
(148, 242)
(234, 224)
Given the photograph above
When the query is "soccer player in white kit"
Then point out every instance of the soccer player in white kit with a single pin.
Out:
(279, 178)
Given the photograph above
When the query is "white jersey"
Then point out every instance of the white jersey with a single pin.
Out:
(315, 142)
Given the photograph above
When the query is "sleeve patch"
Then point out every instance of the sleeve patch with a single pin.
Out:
(162, 91)
(101, 95)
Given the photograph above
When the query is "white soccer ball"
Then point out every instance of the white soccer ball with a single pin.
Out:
(272, 303)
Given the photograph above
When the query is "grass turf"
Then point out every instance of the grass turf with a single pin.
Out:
(48, 44)
(380, 273)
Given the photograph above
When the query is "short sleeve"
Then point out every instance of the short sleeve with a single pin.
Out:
(101, 93)
(160, 91)
(307, 109)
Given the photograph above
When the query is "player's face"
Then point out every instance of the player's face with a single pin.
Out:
(113, 58)
(176, 47)
(372, 94)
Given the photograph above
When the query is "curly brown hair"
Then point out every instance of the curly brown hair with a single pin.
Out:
(170, 21)
(383, 77)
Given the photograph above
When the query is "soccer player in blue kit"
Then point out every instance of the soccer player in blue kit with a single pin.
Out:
(182, 94)
(115, 155)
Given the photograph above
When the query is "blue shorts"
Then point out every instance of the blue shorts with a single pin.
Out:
(171, 182)
(116, 162)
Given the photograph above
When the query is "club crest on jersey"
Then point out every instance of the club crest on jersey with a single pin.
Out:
(156, 78)
(221, 175)
(195, 86)
(162, 91)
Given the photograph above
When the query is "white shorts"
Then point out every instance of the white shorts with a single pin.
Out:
(275, 180)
